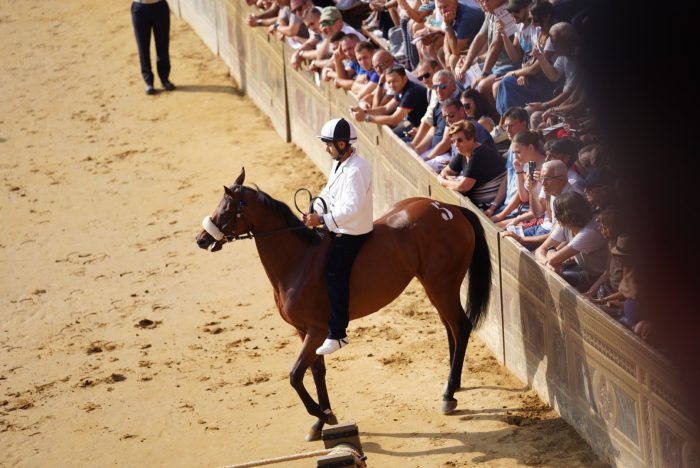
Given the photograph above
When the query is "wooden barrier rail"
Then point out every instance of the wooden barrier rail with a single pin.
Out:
(617, 392)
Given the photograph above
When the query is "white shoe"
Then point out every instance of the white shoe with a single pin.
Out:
(330, 346)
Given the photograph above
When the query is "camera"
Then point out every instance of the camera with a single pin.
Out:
(531, 166)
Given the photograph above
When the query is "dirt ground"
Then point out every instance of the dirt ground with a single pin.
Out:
(123, 344)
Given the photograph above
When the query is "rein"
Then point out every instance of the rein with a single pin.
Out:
(219, 235)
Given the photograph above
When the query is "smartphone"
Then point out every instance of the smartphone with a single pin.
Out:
(531, 166)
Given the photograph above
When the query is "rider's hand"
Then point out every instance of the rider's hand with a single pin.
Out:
(312, 219)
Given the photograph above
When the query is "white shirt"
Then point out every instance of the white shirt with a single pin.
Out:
(590, 244)
(348, 194)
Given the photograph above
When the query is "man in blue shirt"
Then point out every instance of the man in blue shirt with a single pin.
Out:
(462, 23)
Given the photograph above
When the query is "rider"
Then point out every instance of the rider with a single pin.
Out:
(348, 195)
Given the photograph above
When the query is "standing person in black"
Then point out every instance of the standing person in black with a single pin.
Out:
(147, 15)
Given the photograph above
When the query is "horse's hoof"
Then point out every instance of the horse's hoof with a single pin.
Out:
(331, 419)
(448, 406)
(312, 435)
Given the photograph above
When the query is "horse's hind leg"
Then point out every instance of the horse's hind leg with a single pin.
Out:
(446, 300)
(318, 370)
(460, 331)
(307, 357)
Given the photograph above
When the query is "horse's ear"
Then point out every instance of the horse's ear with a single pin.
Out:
(229, 192)
(241, 177)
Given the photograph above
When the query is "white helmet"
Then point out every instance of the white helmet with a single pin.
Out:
(338, 130)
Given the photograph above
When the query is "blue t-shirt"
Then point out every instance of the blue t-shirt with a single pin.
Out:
(373, 75)
(468, 21)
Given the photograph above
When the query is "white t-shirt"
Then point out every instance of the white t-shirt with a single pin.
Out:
(566, 67)
(590, 244)
(549, 223)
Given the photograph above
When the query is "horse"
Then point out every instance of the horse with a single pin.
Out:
(417, 237)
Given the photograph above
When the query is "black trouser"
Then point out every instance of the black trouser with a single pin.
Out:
(155, 17)
(341, 256)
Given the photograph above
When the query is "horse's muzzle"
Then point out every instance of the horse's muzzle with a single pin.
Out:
(205, 241)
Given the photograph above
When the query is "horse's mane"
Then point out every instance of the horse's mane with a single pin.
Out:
(281, 209)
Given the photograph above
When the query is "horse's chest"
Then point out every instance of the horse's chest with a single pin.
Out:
(298, 306)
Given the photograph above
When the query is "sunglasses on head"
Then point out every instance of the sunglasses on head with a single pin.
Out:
(440, 86)
(328, 23)
(424, 76)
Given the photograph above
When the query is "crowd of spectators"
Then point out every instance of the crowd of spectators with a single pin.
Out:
(487, 93)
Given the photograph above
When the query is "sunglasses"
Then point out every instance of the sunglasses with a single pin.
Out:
(424, 76)
(328, 22)
(440, 86)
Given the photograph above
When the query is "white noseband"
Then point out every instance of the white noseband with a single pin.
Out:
(211, 228)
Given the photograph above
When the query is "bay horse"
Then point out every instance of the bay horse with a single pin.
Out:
(417, 237)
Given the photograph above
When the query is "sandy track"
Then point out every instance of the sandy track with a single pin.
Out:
(123, 344)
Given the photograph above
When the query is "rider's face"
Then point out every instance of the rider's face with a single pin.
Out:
(332, 150)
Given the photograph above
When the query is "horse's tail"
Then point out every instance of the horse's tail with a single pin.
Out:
(480, 273)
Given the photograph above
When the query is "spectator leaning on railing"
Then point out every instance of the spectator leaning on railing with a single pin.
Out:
(554, 182)
(609, 225)
(575, 249)
(404, 111)
(442, 153)
(366, 77)
(477, 171)
(288, 24)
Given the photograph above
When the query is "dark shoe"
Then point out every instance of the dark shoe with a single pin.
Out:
(150, 90)
(168, 86)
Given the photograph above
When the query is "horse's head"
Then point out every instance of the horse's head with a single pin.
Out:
(227, 222)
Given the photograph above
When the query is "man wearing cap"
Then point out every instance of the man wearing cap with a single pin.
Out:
(599, 189)
(349, 218)
(147, 16)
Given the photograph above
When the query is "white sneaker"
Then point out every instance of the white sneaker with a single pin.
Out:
(330, 346)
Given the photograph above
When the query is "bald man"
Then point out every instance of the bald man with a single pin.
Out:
(543, 190)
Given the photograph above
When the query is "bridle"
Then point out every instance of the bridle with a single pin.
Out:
(219, 233)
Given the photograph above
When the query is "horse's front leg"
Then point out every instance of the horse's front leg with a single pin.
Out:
(318, 370)
(307, 356)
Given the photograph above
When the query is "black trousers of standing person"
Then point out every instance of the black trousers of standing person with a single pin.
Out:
(341, 256)
(152, 17)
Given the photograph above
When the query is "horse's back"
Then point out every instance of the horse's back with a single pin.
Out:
(434, 220)
(416, 237)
